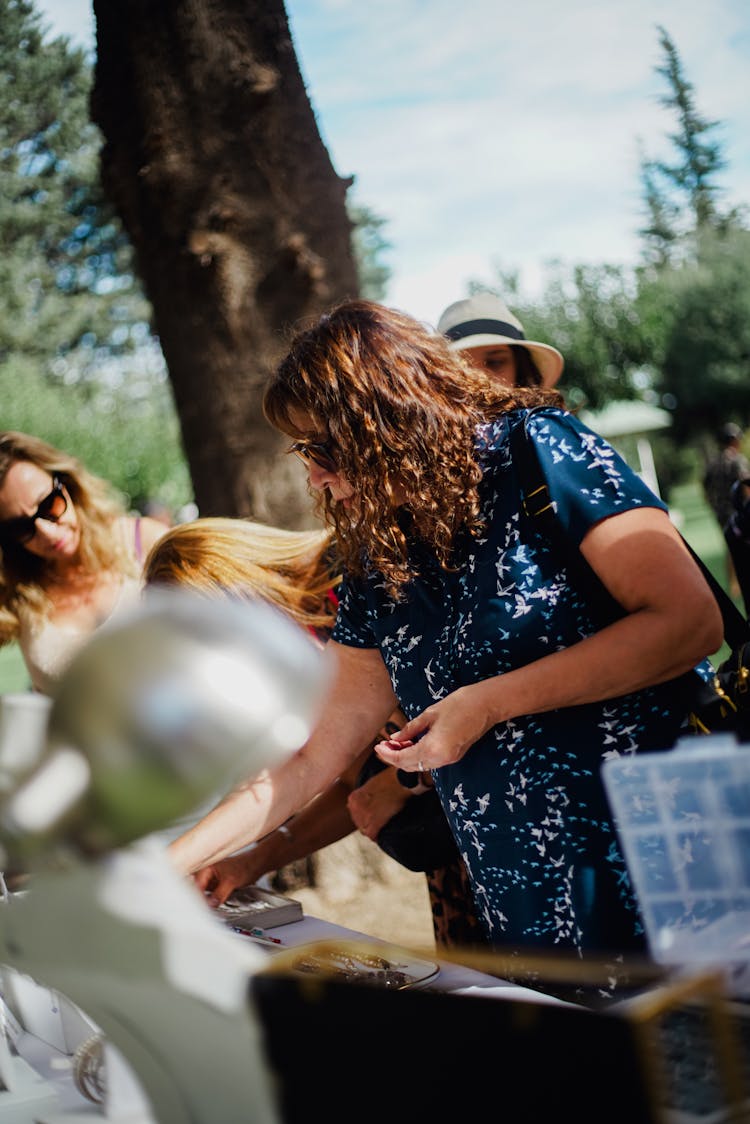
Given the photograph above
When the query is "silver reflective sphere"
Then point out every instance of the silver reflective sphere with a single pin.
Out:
(171, 704)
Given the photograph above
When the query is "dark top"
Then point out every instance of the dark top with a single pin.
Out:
(729, 465)
(526, 803)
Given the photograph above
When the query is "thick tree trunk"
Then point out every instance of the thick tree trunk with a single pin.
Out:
(213, 159)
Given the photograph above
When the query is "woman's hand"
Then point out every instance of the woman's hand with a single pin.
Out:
(219, 880)
(442, 733)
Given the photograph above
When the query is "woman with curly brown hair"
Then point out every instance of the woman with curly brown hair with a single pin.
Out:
(297, 572)
(71, 554)
(486, 631)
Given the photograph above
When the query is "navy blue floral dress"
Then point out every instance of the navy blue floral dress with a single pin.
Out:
(526, 803)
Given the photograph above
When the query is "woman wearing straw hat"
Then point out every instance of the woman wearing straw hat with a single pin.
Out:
(492, 338)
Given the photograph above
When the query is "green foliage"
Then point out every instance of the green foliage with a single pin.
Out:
(676, 330)
(680, 196)
(66, 276)
(78, 366)
(588, 313)
(369, 244)
(703, 308)
(137, 449)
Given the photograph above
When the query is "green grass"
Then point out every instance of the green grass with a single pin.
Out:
(698, 525)
(13, 673)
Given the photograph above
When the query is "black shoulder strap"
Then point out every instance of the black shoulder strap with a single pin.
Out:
(736, 628)
(538, 505)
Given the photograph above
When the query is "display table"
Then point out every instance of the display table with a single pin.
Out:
(452, 977)
(40, 1044)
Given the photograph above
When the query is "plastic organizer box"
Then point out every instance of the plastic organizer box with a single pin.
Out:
(683, 819)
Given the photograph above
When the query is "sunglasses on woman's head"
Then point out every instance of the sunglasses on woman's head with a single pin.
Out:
(318, 452)
(51, 508)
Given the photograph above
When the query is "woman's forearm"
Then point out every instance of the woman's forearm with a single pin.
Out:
(323, 821)
(636, 652)
(358, 705)
(227, 828)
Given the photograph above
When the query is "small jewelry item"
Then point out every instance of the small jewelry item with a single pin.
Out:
(420, 767)
(89, 1071)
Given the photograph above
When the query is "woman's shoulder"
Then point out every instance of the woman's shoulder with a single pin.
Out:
(151, 530)
(541, 423)
(562, 435)
(139, 533)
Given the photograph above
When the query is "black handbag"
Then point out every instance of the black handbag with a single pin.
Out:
(720, 705)
(418, 837)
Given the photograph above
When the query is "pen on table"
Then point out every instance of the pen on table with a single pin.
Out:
(259, 934)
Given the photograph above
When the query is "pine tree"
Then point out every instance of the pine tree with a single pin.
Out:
(698, 159)
(680, 196)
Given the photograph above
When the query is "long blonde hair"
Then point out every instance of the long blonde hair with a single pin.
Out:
(23, 575)
(294, 570)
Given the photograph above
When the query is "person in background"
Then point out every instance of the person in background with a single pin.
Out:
(737, 537)
(296, 572)
(722, 471)
(70, 555)
(455, 604)
(484, 329)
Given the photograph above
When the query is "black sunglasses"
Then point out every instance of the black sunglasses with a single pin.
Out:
(318, 452)
(51, 508)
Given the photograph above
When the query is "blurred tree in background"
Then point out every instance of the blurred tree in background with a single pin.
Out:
(693, 294)
(369, 244)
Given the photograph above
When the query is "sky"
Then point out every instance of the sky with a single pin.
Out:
(504, 136)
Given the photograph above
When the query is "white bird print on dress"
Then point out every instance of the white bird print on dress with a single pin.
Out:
(522, 607)
(501, 565)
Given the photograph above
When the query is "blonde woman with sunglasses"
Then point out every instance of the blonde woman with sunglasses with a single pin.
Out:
(70, 554)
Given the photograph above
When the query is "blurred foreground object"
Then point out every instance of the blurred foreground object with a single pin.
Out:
(178, 700)
(154, 714)
(23, 734)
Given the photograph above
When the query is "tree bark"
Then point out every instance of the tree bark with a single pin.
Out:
(213, 159)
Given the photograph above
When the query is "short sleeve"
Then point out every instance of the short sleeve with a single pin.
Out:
(352, 626)
(587, 478)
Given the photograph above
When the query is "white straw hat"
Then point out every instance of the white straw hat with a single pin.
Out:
(484, 320)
